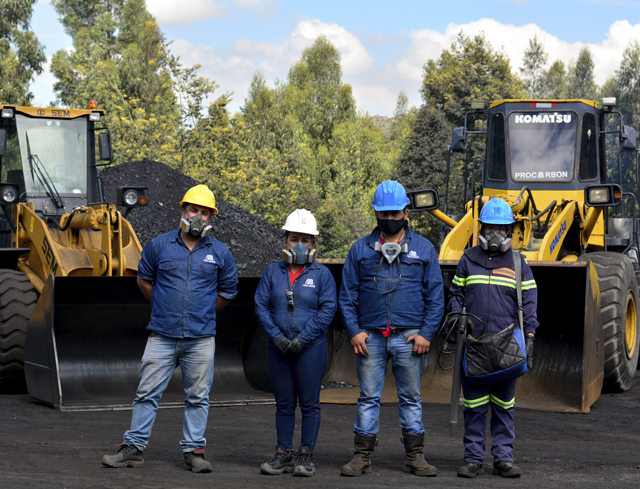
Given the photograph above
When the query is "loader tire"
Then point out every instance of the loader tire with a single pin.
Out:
(17, 301)
(619, 309)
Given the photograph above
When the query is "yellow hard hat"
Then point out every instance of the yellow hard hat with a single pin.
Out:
(200, 195)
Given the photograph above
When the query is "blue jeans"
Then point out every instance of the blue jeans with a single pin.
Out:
(161, 356)
(298, 378)
(407, 369)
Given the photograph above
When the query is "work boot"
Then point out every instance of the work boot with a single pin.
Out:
(196, 461)
(282, 461)
(506, 469)
(126, 456)
(361, 461)
(415, 462)
(305, 466)
(470, 470)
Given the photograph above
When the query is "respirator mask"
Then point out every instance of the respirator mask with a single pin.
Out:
(299, 254)
(195, 226)
(391, 251)
(495, 241)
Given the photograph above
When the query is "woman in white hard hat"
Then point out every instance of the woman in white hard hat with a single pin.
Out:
(295, 303)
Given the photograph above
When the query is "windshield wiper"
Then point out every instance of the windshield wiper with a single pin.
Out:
(43, 177)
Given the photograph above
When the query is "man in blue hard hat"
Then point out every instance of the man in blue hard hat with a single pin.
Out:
(391, 301)
(485, 281)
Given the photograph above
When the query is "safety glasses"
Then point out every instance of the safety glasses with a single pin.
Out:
(290, 298)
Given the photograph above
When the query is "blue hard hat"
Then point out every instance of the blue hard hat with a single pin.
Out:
(390, 196)
(496, 211)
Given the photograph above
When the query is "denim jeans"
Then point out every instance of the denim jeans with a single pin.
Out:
(161, 356)
(406, 368)
(298, 378)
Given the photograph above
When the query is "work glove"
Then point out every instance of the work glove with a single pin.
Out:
(529, 346)
(282, 344)
(295, 346)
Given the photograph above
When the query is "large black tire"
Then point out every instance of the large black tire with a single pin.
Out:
(17, 301)
(619, 303)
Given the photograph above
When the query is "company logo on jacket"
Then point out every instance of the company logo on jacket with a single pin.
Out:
(309, 283)
(209, 259)
(412, 254)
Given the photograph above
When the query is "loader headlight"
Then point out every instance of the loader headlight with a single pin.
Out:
(132, 196)
(423, 200)
(94, 116)
(9, 193)
(603, 195)
(7, 113)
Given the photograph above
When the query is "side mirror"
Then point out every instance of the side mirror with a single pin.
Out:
(459, 140)
(3, 142)
(628, 139)
(423, 200)
(104, 145)
(603, 195)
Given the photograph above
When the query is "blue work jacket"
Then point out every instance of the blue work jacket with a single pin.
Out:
(186, 284)
(487, 282)
(405, 294)
(314, 302)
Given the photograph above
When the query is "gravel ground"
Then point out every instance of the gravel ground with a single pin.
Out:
(253, 242)
(45, 448)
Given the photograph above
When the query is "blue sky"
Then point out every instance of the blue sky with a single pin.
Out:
(383, 44)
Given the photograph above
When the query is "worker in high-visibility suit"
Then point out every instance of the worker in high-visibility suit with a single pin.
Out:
(485, 281)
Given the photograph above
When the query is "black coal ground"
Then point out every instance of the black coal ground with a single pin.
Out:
(45, 448)
(253, 242)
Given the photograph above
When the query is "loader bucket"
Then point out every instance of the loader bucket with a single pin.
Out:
(86, 338)
(569, 349)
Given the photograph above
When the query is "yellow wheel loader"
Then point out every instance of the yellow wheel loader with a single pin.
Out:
(548, 160)
(72, 319)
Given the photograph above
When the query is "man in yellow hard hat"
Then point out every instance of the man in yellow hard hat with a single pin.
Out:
(187, 275)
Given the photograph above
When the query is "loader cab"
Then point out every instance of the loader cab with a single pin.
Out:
(544, 145)
(49, 156)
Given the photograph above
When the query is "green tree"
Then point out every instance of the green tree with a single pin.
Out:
(121, 59)
(627, 87)
(21, 54)
(533, 73)
(471, 69)
(555, 81)
(422, 164)
(581, 83)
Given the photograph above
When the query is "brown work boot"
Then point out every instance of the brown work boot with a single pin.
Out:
(415, 462)
(361, 461)
(127, 456)
(196, 461)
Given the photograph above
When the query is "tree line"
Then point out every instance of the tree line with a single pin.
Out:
(301, 142)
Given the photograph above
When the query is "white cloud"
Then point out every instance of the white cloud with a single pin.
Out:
(172, 12)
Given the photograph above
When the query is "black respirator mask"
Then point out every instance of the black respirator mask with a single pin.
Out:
(391, 226)
(495, 241)
(299, 254)
(195, 226)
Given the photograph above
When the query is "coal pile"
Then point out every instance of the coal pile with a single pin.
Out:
(253, 242)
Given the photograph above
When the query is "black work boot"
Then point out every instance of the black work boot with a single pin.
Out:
(305, 466)
(506, 469)
(361, 461)
(282, 461)
(415, 462)
(126, 456)
(470, 470)
(196, 461)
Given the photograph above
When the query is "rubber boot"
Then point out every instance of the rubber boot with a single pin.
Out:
(361, 461)
(415, 462)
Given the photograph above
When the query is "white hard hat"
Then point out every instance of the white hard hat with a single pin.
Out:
(301, 221)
